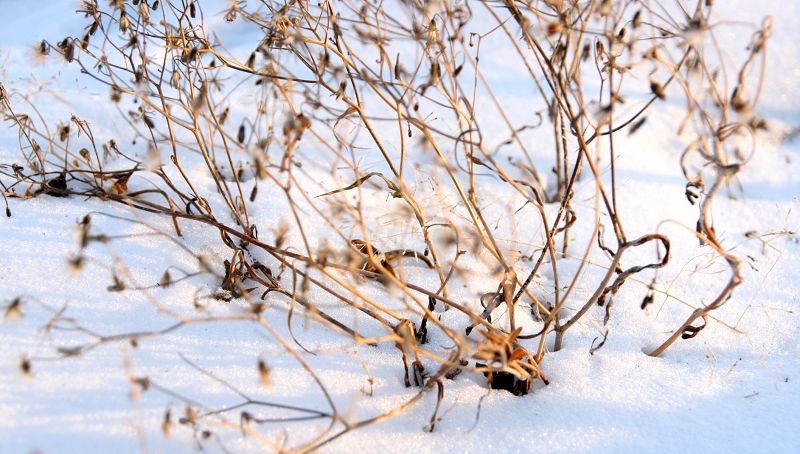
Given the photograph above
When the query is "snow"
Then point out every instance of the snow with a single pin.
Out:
(733, 388)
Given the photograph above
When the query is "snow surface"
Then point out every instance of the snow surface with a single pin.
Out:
(734, 388)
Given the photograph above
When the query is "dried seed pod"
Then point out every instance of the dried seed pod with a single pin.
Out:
(264, 373)
(739, 100)
(69, 49)
(635, 127)
(647, 300)
(166, 424)
(117, 286)
(124, 21)
(142, 382)
(554, 28)
(14, 310)
(657, 89)
(190, 416)
(148, 121)
(25, 367)
(116, 94)
(166, 279)
(56, 187)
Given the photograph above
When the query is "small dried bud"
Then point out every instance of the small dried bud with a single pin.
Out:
(14, 310)
(264, 373)
(25, 367)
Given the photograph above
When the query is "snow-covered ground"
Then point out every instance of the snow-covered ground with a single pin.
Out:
(733, 388)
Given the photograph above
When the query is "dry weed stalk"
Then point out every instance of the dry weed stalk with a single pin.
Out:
(333, 84)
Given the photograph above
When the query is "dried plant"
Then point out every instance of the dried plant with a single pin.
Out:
(345, 111)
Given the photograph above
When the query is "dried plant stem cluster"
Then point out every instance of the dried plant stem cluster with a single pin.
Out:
(330, 86)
